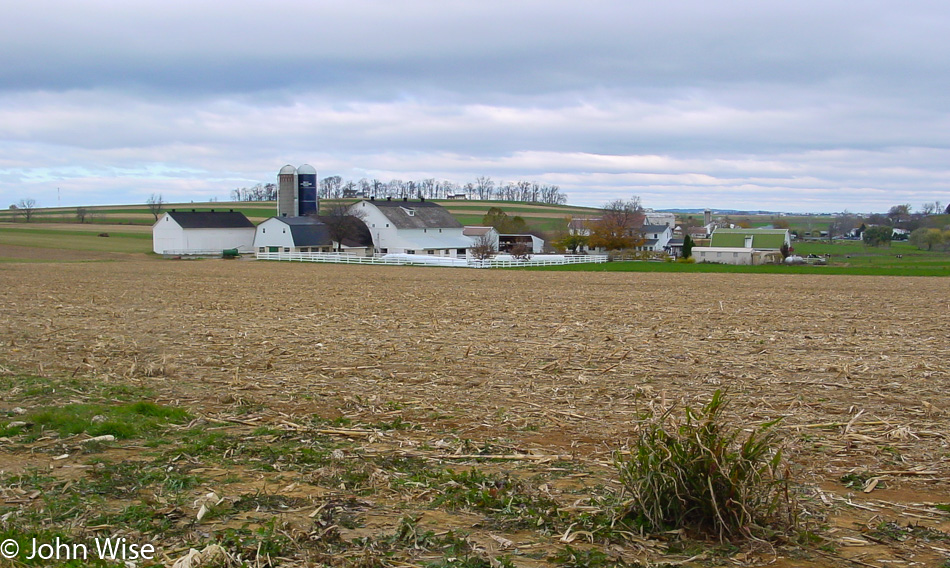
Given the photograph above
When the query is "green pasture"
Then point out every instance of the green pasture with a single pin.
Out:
(648, 266)
(75, 238)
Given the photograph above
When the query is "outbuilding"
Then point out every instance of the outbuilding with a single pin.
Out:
(202, 232)
(310, 235)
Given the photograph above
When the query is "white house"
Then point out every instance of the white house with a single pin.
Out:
(307, 234)
(412, 227)
(656, 237)
(196, 232)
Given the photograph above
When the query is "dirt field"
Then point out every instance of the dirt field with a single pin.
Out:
(546, 371)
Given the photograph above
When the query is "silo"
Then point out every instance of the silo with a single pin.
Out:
(287, 191)
(306, 190)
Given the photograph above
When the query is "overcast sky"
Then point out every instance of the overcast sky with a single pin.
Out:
(795, 106)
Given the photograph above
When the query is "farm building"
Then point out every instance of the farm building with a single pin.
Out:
(758, 239)
(308, 234)
(412, 227)
(656, 237)
(533, 243)
(475, 233)
(202, 232)
(744, 246)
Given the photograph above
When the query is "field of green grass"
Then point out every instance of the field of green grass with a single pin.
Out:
(77, 237)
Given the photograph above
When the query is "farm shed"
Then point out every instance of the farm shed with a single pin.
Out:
(735, 255)
(412, 227)
(533, 243)
(307, 234)
(202, 232)
(477, 232)
(758, 239)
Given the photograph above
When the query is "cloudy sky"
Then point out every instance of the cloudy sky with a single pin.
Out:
(811, 105)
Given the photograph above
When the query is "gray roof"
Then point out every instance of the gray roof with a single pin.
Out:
(654, 228)
(210, 219)
(425, 214)
(310, 232)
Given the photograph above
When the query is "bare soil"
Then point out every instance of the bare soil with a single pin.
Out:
(537, 367)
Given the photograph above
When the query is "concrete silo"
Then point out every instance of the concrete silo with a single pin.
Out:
(287, 192)
(307, 191)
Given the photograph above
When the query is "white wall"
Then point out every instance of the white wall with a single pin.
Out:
(722, 255)
(168, 235)
(273, 233)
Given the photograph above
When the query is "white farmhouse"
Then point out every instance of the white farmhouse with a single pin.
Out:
(656, 238)
(202, 232)
(412, 227)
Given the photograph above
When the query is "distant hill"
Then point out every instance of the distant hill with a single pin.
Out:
(538, 216)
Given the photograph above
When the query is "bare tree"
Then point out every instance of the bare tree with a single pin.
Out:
(483, 249)
(155, 204)
(342, 223)
(81, 214)
(619, 226)
(841, 225)
(27, 207)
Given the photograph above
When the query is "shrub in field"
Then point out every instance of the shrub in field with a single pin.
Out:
(706, 477)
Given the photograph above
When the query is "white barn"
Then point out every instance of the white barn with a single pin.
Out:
(412, 227)
(202, 232)
(307, 234)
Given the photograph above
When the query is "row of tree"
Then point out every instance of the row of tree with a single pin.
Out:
(484, 188)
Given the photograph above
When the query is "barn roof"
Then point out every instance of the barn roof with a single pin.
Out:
(416, 214)
(210, 219)
(311, 232)
(761, 238)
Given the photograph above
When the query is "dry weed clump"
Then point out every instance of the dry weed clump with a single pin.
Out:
(706, 477)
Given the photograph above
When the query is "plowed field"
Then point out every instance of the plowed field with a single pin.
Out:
(540, 376)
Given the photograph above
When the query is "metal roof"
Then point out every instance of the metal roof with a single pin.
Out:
(210, 219)
(416, 214)
(761, 238)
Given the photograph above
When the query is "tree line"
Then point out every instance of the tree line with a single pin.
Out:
(483, 188)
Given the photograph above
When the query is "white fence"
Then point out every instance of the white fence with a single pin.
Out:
(500, 261)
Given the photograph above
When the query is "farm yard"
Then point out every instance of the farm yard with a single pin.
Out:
(286, 414)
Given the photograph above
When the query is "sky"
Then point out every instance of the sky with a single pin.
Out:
(804, 106)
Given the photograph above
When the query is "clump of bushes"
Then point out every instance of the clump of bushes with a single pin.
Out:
(707, 477)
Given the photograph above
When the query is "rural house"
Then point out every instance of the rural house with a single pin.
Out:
(202, 232)
(309, 234)
(412, 227)
(656, 238)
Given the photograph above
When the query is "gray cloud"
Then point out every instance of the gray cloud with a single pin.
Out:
(795, 106)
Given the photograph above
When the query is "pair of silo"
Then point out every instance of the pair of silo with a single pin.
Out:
(297, 191)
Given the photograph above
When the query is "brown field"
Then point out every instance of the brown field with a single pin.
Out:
(548, 372)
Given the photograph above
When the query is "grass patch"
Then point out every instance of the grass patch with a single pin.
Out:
(124, 421)
(706, 477)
